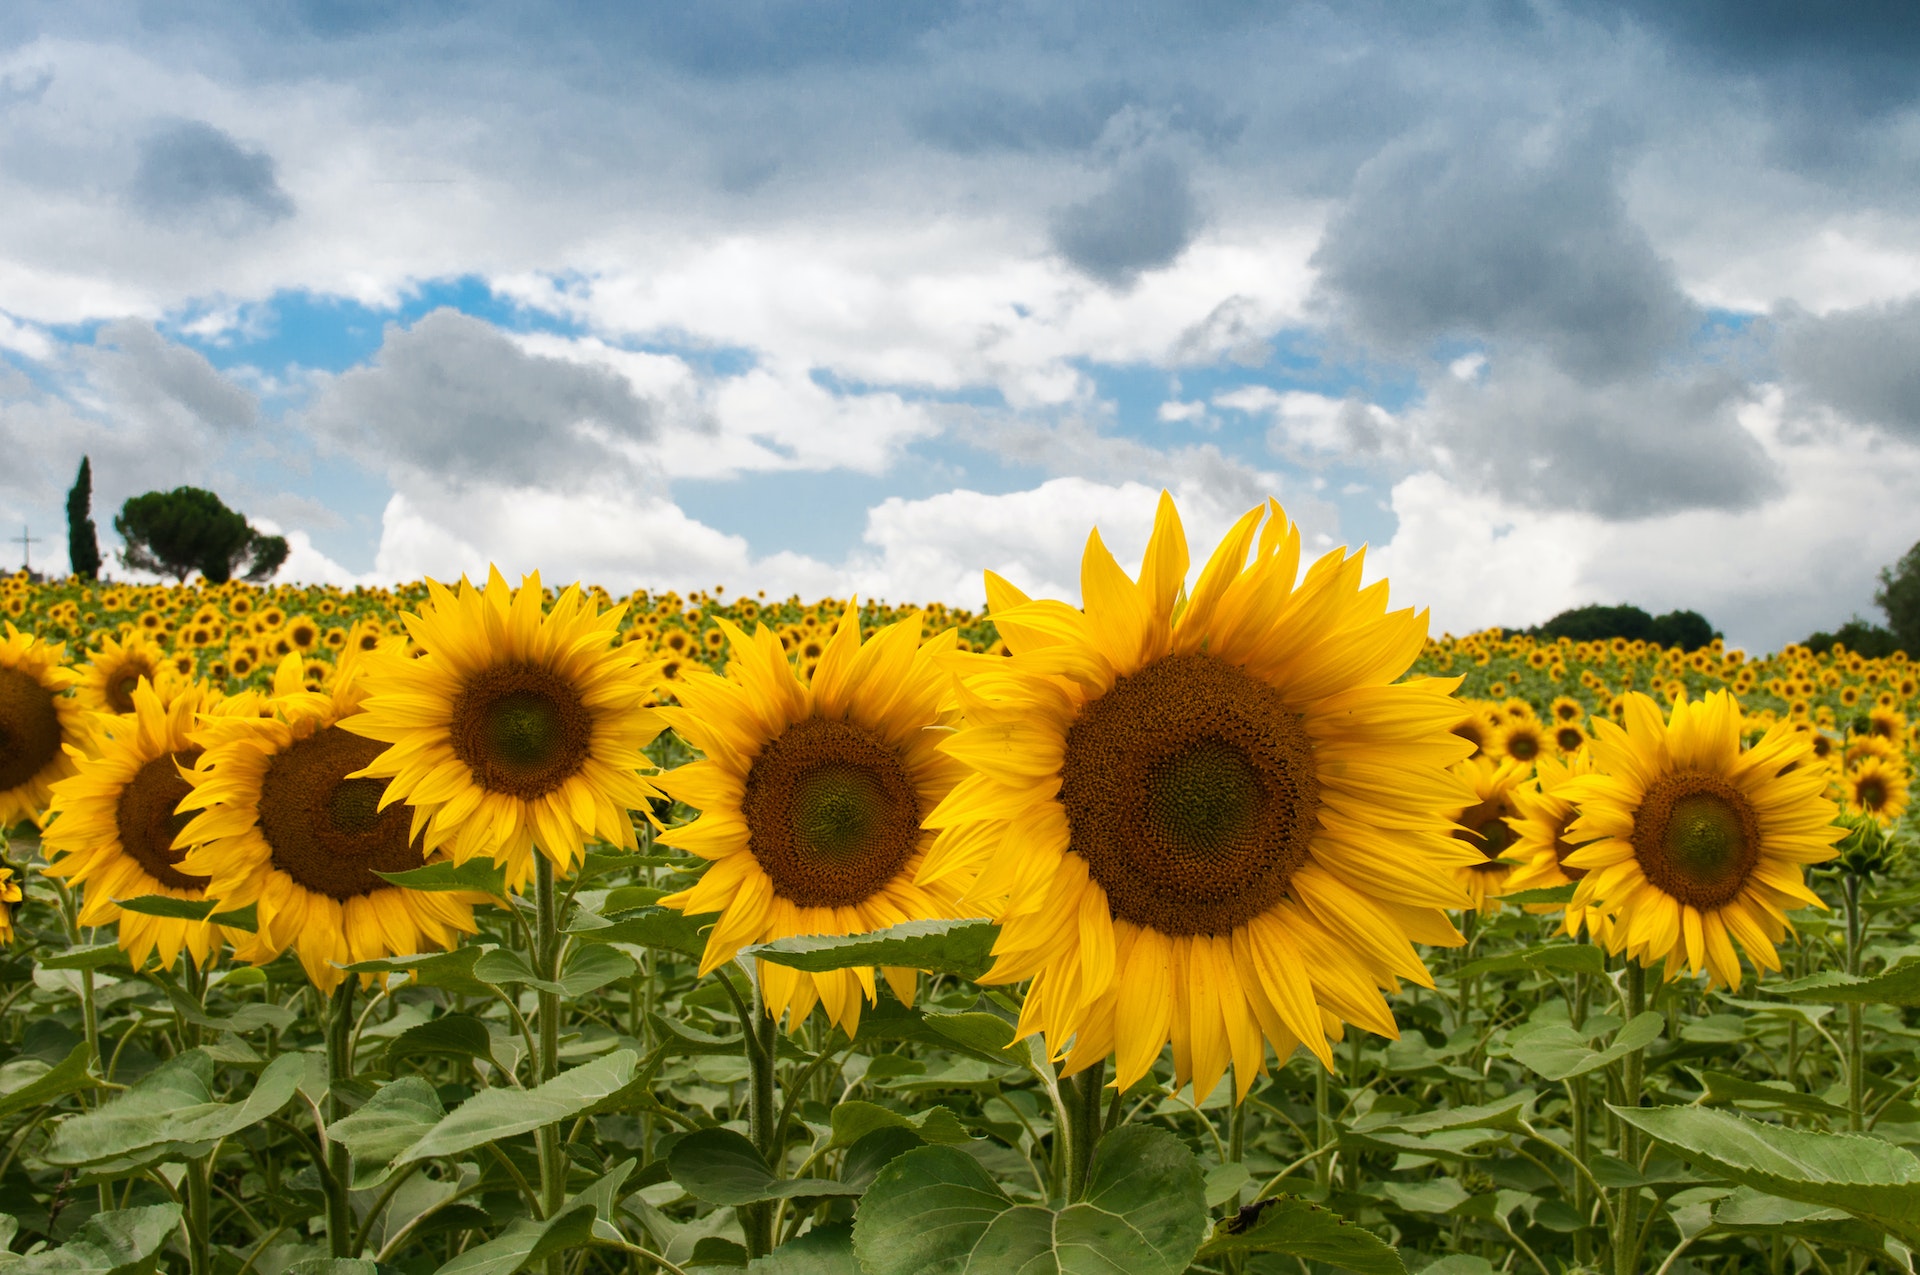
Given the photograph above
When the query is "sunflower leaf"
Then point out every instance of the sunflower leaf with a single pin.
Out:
(963, 947)
(1576, 958)
(28, 1082)
(119, 1242)
(935, 1208)
(825, 1250)
(170, 1114)
(394, 1118)
(1559, 1052)
(449, 1036)
(853, 1120)
(449, 971)
(482, 876)
(97, 956)
(165, 905)
(721, 1167)
(1873, 1180)
(1303, 1230)
(1544, 895)
(654, 927)
(1897, 986)
(494, 1114)
(524, 1242)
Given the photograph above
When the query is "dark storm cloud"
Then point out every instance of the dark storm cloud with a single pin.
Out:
(1143, 219)
(1468, 235)
(970, 120)
(454, 397)
(1629, 449)
(191, 170)
(1863, 363)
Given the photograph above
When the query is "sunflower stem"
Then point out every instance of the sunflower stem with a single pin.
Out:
(1084, 1102)
(200, 1215)
(339, 1071)
(1856, 1050)
(1322, 1128)
(1578, 1098)
(763, 1114)
(1632, 1075)
(546, 967)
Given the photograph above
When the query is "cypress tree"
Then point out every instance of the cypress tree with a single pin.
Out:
(83, 548)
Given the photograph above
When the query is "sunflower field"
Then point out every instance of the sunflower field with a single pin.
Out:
(1228, 922)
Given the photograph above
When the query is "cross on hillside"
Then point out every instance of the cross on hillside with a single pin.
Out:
(26, 562)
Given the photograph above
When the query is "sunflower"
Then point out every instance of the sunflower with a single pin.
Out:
(111, 673)
(1206, 819)
(10, 896)
(1877, 788)
(1568, 738)
(115, 825)
(1522, 739)
(40, 726)
(286, 824)
(1565, 708)
(1542, 814)
(811, 794)
(1887, 722)
(1483, 824)
(1696, 842)
(1478, 727)
(513, 728)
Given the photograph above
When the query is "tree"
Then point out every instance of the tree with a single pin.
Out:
(1858, 636)
(187, 529)
(1899, 597)
(1688, 630)
(83, 547)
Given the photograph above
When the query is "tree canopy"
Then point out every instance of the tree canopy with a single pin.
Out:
(1688, 630)
(83, 546)
(188, 529)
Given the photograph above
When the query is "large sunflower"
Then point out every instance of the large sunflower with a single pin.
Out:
(112, 673)
(1539, 825)
(1207, 819)
(114, 834)
(811, 796)
(513, 728)
(39, 724)
(285, 823)
(1483, 824)
(1696, 842)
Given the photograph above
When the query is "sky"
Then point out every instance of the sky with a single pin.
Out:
(1545, 303)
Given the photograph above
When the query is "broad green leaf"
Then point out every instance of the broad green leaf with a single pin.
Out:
(1224, 1181)
(481, 876)
(167, 906)
(1559, 1052)
(853, 1120)
(1550, 894)
(247, 1018)
(97, 956)
(335, 1266)
(631, 898)
(1460, 1264)
(1572, 958)
(171, 1113)
(1297, 1228)
(504, 967)
(449, 1036)
(1508, 1114)
(1723, 1089)
(246, 918)
(29, 1082)
(449, 971)
(721, 1167)
(1435, 1195)
(651, 927)
(120, 1242)
(1750, 1212)
(1897, 986)
(936, 1209)
(825, 1250)
(591, 967)
(1875, 1181)
(939, 947)
(526, 1241)
(398, 1115)
(493, 1114)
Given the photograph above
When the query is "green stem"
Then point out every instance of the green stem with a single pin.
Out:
(200, 1215)
(1084, 1100)
(1856, 1050)
(1322, 1128)
(763, 1115)
(339, 1071)
(1578, 1097)
(546, 967)
(1632, 1076)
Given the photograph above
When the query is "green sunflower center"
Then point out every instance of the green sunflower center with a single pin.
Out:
(326, 831)
(522, 730)
(831, 813)
(148, 819)
(122, 685)
(1485, 828)
(1191, 791)
(1697, 838)
(29, 728)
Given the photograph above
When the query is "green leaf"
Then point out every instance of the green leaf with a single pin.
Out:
(1722, 1089)
(661, 928)
(173, 909)
(493, 1114)
(335, 1266)
(1561, 894)
(1897, 986)
(1573, 958)
(481, 876)
(1875, 1181)
(853, 1120)
(591, 967)
(1509, 1115)
(449, 971)
(28, 1082)
(721, 1167)
(246, 918)
(1224, 1181)
(1297, 1228)
(1750, 1212)
(1559, 1052)
(526, 1241)
(398, 1115)
(449, 1036)
(939, 947)
(120, 1242)
(825, 1250)
(936, 1209)
(170, 1114)
(98, 956)
(249, 1017)
(1434, 1195)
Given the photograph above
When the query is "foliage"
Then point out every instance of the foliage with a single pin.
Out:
(1899, 596)
(189, 529)
(1688, 630)
(83, 548)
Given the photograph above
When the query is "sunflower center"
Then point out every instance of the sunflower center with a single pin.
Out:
(1485, 828)
(831, 813)
(1697, 838)
(29, 728)
(326, 831)
(1562, 848)
(1190, 790)
(122, 685)
(522, 730)
(1523, 745)
(148, 821)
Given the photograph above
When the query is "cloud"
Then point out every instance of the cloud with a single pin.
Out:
(1471, 233)
(190, 171)
(138, 371)
(456, 398)
(1144, 219)
(1863, 362)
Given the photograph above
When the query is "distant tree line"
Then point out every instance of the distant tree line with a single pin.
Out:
(1688, 630)
(172, 533)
